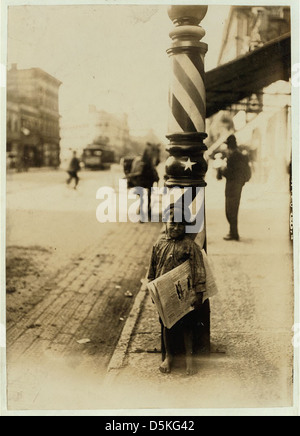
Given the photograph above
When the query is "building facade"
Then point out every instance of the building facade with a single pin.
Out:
(262, 122)
(33, 134)
(250, 27)
(99, 126)
(111, 128)
(95, 126)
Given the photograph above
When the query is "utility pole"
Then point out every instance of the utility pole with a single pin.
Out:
(186, 166)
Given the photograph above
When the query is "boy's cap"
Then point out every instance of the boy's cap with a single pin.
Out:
(185, 213)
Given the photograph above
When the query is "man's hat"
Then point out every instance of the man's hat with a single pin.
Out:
(231, 141)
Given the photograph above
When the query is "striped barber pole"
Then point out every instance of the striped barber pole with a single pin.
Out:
(187, 97)
(186, 166)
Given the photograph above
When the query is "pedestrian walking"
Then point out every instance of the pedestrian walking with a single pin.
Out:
(74, 167)
(237, 173)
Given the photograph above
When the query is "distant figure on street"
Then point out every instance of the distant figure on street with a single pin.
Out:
(149, 174)
(143, 174)
(237, 173)
(74, 167)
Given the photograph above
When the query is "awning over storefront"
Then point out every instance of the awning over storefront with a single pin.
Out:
(248, 74)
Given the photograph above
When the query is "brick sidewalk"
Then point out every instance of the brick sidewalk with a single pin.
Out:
(87, 299)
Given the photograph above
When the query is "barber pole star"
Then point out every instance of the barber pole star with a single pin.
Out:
(189, 165)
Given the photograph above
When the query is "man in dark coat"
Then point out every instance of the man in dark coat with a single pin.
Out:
(150, 161)
(236, 174)
(74, 167)
(149, 173)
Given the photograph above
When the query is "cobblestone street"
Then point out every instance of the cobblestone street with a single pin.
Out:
(87, 301)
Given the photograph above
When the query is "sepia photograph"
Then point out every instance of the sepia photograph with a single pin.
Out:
(149, 208)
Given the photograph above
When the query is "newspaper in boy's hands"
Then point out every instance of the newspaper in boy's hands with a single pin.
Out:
(173, 294)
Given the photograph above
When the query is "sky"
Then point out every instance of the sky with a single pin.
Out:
(113, 56)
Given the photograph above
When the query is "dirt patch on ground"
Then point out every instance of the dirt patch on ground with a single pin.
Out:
(30, 275)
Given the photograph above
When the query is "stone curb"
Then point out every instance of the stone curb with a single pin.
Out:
(118, 358)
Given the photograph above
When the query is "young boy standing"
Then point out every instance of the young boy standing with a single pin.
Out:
(171, 250)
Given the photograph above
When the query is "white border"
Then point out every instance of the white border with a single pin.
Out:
(295, 14)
